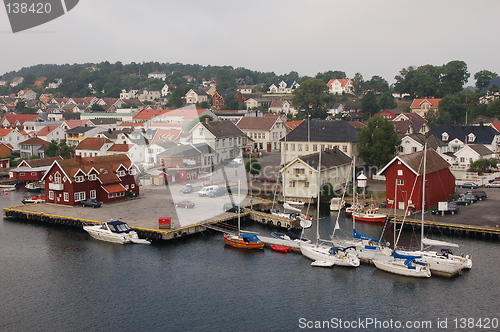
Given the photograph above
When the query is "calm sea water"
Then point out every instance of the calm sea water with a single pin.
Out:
(59, 279)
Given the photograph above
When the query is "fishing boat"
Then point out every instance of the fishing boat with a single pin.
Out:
(369, 215)
(33, 187)
(34, 199)
(115, 231)
(404, 265)
(284, 249)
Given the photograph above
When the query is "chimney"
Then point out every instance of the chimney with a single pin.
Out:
(78, 159)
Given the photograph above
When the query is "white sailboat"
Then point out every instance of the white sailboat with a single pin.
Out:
(367, 248)
(323, 252)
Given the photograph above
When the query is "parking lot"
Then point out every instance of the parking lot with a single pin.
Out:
(484, 213)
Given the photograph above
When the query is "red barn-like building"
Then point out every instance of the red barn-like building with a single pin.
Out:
(404, 180)
(105, 178)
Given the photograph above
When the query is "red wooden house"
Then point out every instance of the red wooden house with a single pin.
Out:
(32, 169)
(404, 180)
(105, 178)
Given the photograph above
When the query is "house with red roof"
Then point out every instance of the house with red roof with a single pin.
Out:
(51, 133)
(340, 86)
(147, 115)
(291, 125)
(34, 146)
(390, 114)
(32, 169)
(26, 94)
(104, 178)
(421, 106)
(410, 123)
(12, 120)
(265, 131)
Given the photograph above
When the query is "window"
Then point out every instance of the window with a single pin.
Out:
(292, 146)
(306, 184)
(401, 149)
(22, 174)
(51, 195)
(307, 147)
(299, 147)
(92, 177)
(132, 171)
(414, 149)
(79, 178)
(79, 196)
(400, 182)
(120, 173)
(400, 172)
(471, 137)
(132, 186)
(292, 184)
(93, 193)
(445, 136)
(66, 197)
(315, 147)
(57, 178)
(344, 148)
(33, 173)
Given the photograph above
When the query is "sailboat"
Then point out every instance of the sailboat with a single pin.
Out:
(323, 252)
(367, 248)
(443, 263)
(243, 240)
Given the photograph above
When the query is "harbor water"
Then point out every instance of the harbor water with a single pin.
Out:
(60, 279)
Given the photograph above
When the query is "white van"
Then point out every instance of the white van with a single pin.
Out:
(206, 190)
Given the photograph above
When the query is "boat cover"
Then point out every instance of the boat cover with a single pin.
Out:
(357, 235)
(292, 235)
(437, 243)
(250, 237)
(401, 256)
(118, 226)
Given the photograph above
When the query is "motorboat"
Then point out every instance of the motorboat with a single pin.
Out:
(244, 240)
(298, 203)
(115, 231)
(336, 204)
(369, 215)
(291, 237)
(33, 187)
(34, 199)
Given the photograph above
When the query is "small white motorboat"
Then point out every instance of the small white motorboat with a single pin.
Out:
(114, 231)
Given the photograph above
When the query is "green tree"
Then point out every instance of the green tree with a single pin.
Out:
(483, 164)
(493, 108)
(377, 84)
(60, 149)
(253, 167)
(326, 193)
(52, 149)
(96, 108)
(358, 84)
(454, 107)
(454, 75)
(312, 98)
(483, 78)
(369, 103)
(386, 101)
(378, 141)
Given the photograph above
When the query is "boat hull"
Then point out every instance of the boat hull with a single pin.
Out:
(440, 265)
(377, 217)
(281, 248)
(398, 267)
(238, 242)
(100, 234)
(322, 253)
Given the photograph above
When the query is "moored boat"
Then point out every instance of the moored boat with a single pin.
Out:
(284, 249)
(403, 265)
(246, 241)
(370, 215)
(34, 199)
(115, 231)
(33, 187)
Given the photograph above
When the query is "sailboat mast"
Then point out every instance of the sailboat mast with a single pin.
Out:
(319, 191)
(354, 201)
(239, 204)
(423, 198)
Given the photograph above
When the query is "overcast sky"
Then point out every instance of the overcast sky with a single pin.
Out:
(372, 37)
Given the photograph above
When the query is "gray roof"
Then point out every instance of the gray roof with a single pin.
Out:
(79, 129)
(223, 129)
(329, 159)
(431, 140)
(484, 134)
(97, 121)
(480, 149)
(186, 150)
(323, 131)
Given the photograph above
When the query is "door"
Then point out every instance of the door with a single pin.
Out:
(269, 147)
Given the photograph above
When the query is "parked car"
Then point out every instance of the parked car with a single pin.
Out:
(469, 185)
(462, 200)
(479, 194)
(470, 197)
(206, 190)
(91, 203)
(188, 188)
(452, 209)
(229, 207)
(220, 191)
(185, 204)
(494, 184)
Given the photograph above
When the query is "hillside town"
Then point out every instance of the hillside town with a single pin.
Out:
(183, 144)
